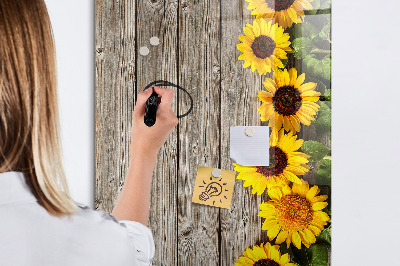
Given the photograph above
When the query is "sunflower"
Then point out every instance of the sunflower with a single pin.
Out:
(263, 46)
(294, 214)
(287, 101)
(265, 254)
(285, 164)
(285, 12)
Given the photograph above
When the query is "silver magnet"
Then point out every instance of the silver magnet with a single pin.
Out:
(249, 131)
(216, 173)
(154, 41)
(144, 50)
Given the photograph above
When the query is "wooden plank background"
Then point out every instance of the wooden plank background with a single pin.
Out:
(197, 50)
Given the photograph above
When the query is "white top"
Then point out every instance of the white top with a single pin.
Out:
(29, 235)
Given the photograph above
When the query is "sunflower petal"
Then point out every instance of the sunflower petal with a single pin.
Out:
(317, 206)
(284, 259)
(320, 198)
(245, 261)
(281, 237)
(292, 177)
(273, 231)
(296, 239)
(275, 193)
(312, 193)
(300, 80)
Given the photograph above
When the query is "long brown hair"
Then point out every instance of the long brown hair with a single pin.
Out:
(29, 119)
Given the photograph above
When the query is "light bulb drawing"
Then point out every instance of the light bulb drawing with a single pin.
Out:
(213, 189)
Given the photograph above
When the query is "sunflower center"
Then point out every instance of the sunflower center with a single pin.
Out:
(265, 262)
(294, 212)
(287, 100)
(279, 5)
(278, 163)
(263, 46)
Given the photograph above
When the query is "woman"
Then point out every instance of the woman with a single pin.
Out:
(40, 224)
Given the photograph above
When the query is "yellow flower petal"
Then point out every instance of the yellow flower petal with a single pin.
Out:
(275, 193)
(273, 231)
(275, 256)
(291, 177)
(284, 259)
(312, 193)
(296, 240)
(281, 237)
(259, 253)
(319, 206)
(320, 198)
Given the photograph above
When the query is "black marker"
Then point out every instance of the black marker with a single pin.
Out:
(151, 109)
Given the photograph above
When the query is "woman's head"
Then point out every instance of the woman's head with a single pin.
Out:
(29, 123)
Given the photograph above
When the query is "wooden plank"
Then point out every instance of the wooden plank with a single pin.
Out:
(199, 133)
(240, 226)
(115, 79)
(159, 19)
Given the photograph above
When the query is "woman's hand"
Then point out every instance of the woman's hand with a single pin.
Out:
(134, 200)
(148, 140)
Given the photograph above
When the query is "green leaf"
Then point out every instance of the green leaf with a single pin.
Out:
(326, 68)
(306, 30)
(315, 149)
(307, 59)
(302, 47)
(313, 66)
(327, 92)
(325, 33)
(325, 235)
(321, 87)
(323, 123)
(318, 255)
(323, 109)
(324, 173)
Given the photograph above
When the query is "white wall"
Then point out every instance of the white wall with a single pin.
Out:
(366, 141)
(73, 26)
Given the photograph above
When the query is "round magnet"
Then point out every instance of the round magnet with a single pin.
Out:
(154, 41)
(216, 172)
(144, 50)
(250, 131)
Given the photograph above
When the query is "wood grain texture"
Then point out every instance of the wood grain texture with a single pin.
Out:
(240, 226)
(198, 51)
(159, 19)
(115, 86)
(199, 133)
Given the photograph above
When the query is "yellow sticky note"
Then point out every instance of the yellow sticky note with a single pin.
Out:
(214, 188)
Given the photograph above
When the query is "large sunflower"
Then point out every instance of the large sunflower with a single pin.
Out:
(294, 214)
(285, 164)
(285, 12)
(263, 46)
(287, 101)
(264, 255)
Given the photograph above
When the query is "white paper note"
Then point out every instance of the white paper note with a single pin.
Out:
(251, 149)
